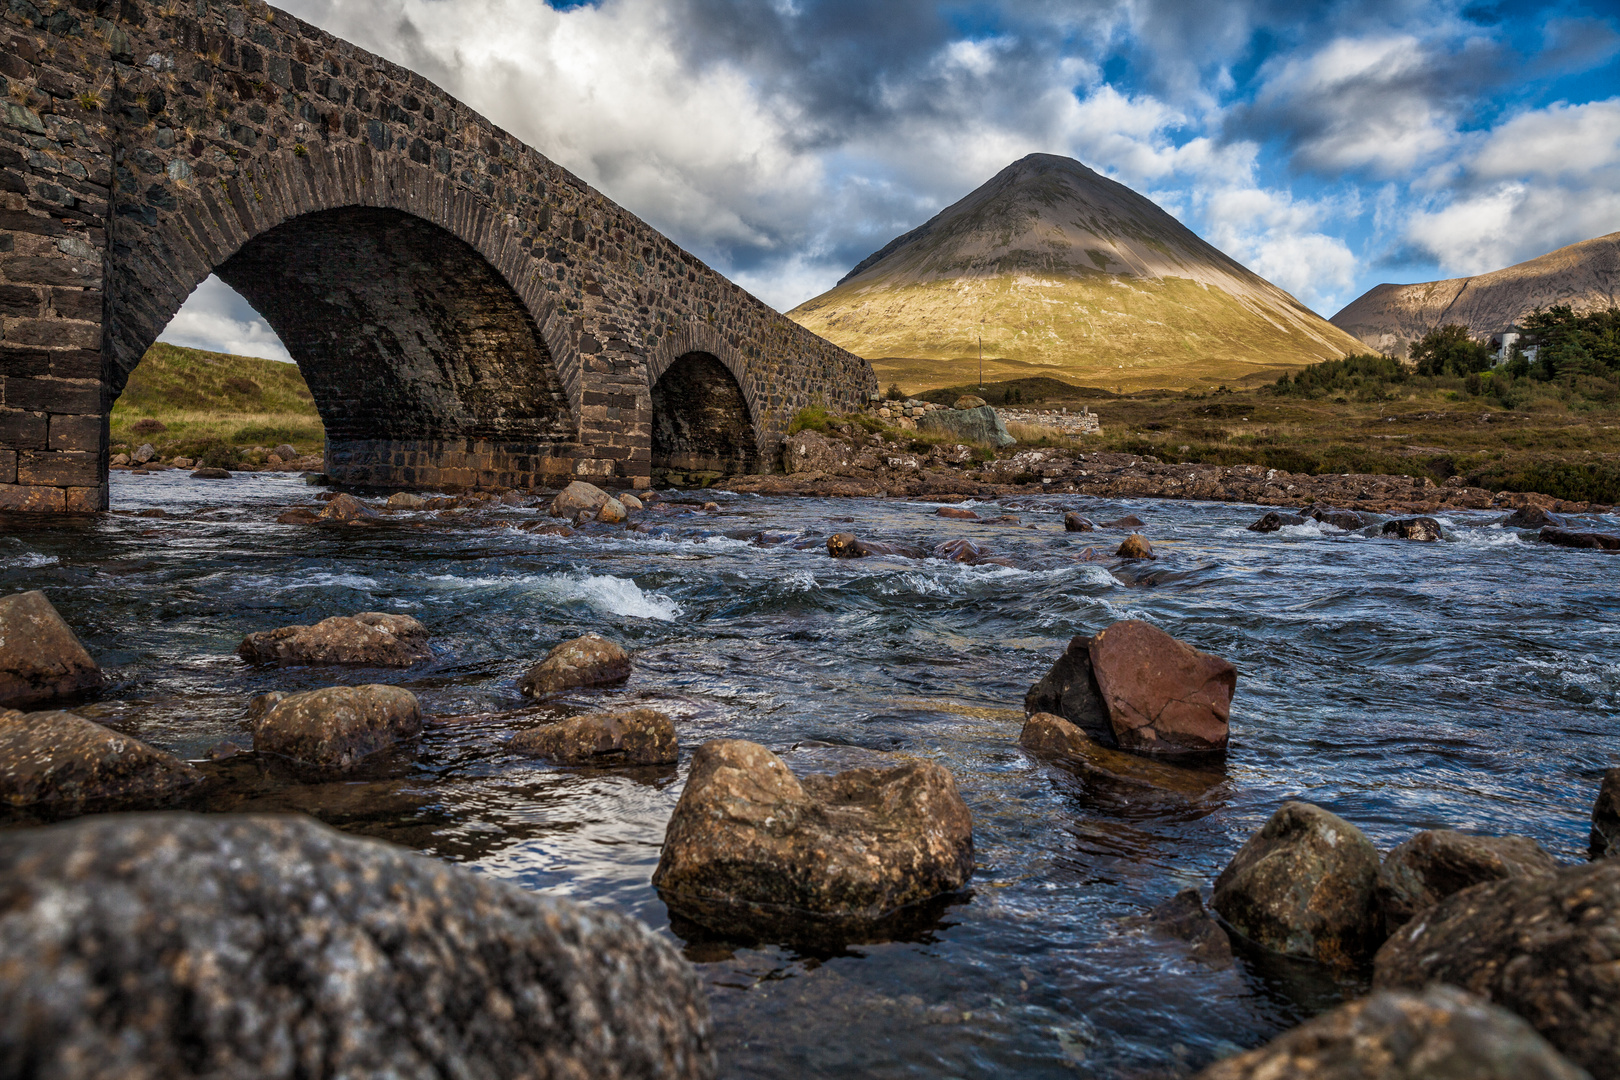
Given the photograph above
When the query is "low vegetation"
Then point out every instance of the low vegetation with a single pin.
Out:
(214, 407)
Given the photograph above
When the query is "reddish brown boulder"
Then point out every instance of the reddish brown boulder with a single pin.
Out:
(957, 512)
(1421, 872)
(40, 658)
(1183, 918)
(1073, 522)
(371, 638)
(748, 838)
(343, 509)
(48, 757)
(1069, 690)
(338, 727)
(1135, 546)
(1162, 695)
(591, 660)
(631, 737)
(1303, 886)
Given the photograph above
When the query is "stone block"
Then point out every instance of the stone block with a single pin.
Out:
(22, 430)
(77, 303)
(86, 500)
(54, 332)
(75, 433)
(76, 363)
(52, 395)
(8, 466)
(24, 498)
(52, 270)
(25, 363)
(19, 301)
(62, 469)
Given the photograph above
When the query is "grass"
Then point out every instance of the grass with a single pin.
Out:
(214, 406)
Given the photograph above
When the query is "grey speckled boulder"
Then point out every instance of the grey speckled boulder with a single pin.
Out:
(1546, 947)
(1441, 1034)
(40, 657)
(980, 425)
(749, 836)
(629, 737)
(49, 757)
(1303, 886)
(1426, 869)
(337, 727)
(174, 945)
(371, 638)
(589, 660)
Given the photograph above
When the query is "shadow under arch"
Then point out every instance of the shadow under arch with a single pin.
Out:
(701, 420)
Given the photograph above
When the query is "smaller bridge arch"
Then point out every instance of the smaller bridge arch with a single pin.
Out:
(705, 404)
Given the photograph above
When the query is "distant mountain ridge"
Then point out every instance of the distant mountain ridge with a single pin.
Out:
(1067, 273)
(1586, 276)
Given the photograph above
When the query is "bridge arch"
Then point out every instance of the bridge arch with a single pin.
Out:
(705, 406)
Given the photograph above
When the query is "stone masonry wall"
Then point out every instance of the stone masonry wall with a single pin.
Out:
(142, 147)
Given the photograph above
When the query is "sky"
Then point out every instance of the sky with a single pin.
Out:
(1328, 146)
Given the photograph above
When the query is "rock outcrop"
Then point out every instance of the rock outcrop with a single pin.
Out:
(1303, 886)
(187, 946)
(1546, 946)
(1163, 696)
(345, 509)
(369, 639)
(40, 657)
(590, 660)
(1073, 522)
(630, 737)
(750, 841)
(1424, 870)
(812, 452)
(60, 757)
(338, 727)
(849, 546)
(1439, 1034)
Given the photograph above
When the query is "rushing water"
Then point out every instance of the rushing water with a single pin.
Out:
(1471, 684)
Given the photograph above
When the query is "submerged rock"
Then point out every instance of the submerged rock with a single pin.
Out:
(1135, 546)
(40, 657)
(406, 500)
(1418, 528)
(1129, 521)
(1595, 541)
(1303, 886)
(1183, 918)
(956, 512)
(1544, 946)
(849, 546)
(1531, 517)
(1439, 1034)
(297, 515)
(51, 757)
(590, 660)
(1073, 522)
(338, 727)
(1432, 865)
(611, 512)
(980, 424)
(1162, 695)
(189, 946)
(1053, 737)
(1273, 521)
(1348, 520)
(371, 638)
(1606, 817)
(209, 473)
(345, 509)
(1070, 691)
(578, 496)
(630, 737)
(750, 840)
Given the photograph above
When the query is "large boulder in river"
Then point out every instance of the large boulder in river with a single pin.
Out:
(1348, 520)
(1530, 517)
(590, 660)
(1606, 817)
(1303, 886)
(1163, 696)
(1439, 1034)
(1424, 870)
(1073, 522)
(371, 638)
(186, 946)
(40, 658)
(1594, 541)
(749, 839)
(1546, 946)
(1417, 528)
(1271, 521)
(629, 737)
(338, 727)
(58, 757)
(1135, 546)
(578, 496)
(345, 509)
(980, 425)
(1069, 690)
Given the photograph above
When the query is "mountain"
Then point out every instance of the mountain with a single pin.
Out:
(1066, 273)
(1586, 276)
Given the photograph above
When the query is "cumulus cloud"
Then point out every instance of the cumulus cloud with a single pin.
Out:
(216, 318)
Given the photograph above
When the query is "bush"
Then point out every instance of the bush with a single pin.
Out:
(810, 418)
(148, 427)
(893, 393)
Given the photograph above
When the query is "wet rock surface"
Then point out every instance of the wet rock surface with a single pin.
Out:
(1546, 947)
(628, 737)
(177, 945)
(1441, 1033)
(370, 639)
(60, 757)
(338, 727)
(345, 509)
(1531, 517)
(1162, 695)
(1424, 529)
(1135, 546)
(589, 660)
(1070, 691)
(849, 546)
(1183, 918)
(1273, 521)
(1074, 522)
(749, 842)
(1420, 872)
(40, 657)
(576, 497)
(1054, 738)
(1569, 538)
(1605, 839)
(1303, 886)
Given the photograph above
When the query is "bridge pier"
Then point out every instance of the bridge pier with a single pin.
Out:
(464, 310)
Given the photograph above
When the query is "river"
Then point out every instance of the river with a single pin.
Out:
(1472, 684)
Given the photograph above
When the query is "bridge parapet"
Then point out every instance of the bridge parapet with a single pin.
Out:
(465, 310)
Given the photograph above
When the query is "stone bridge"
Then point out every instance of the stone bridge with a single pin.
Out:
(464, 311)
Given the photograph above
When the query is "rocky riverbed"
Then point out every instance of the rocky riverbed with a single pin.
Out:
(1401, 685)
